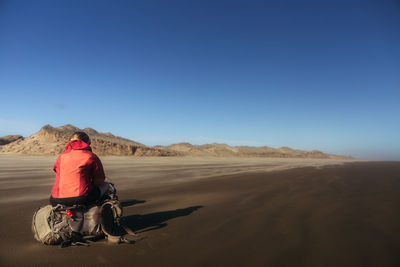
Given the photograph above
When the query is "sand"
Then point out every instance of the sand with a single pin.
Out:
(220, 212)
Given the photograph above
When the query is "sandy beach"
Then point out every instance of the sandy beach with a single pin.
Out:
(220, 212)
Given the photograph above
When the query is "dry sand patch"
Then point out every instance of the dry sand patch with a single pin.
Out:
(24, 178)
(222, 212)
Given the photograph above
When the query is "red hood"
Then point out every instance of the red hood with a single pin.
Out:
(77, 145)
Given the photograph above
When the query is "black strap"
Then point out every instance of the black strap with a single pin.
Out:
(126, 228)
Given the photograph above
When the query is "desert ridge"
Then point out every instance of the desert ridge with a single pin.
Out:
(224, 150)
(51, 141)
(9, 139)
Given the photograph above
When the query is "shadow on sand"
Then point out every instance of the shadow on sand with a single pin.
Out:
(157, 220)
(131, 202)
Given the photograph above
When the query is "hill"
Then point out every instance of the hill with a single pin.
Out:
(9, 139)
(51, 141)
(223, 150)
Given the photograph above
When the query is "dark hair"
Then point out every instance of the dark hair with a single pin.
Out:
(82, 136)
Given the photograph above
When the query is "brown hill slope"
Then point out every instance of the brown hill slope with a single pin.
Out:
(223, 150)
(51, 141)
(9, 139)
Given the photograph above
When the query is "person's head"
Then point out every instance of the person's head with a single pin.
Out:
(81, 136)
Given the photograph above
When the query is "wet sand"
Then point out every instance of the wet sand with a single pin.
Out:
(220, 212)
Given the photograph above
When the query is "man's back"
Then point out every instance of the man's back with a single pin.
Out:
(77, 170)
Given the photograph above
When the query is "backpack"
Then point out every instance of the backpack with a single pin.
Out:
(77, 224)
(47, 225)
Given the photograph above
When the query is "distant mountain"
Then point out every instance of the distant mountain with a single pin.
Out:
(9, 139)
(223, 150)
(51, 141)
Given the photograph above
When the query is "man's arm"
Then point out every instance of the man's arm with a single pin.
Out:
(57, 164)
(98, 172)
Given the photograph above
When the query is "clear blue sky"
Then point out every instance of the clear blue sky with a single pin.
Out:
(305, 74)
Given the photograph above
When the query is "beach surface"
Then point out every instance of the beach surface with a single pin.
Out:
(220, 212)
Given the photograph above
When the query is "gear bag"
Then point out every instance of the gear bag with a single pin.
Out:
(70, 225)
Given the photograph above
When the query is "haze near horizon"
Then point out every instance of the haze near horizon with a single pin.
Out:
(309, 75)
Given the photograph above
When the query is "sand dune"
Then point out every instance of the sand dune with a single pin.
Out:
(223, 150)
(9, 139)
(51, 141)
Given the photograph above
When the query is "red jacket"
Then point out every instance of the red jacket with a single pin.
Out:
(77, 170)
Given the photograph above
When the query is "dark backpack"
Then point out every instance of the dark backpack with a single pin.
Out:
(78, 224)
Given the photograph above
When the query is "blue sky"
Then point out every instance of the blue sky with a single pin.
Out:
(305, 74)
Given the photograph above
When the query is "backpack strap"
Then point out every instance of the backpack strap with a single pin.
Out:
(117, 215)
(126, 228)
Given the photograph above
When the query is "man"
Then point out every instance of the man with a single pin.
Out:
(79, 174)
